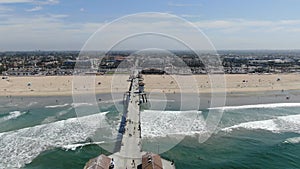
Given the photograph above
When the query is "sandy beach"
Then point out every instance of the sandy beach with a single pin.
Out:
(233, 83)
(62, 85)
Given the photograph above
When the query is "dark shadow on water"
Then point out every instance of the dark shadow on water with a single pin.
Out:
(61, 159)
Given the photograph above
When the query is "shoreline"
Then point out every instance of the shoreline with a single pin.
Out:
(173, 101)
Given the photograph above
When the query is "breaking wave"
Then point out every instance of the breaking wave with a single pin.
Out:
(272, 105)
(56, 106)
(81, 104)
(66, 104)
(293, 140)
(290, 123)
(75, 146)
(12, 115)
(163, 123)
(20, 147)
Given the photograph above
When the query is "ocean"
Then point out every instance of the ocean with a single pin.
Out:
(45, 133)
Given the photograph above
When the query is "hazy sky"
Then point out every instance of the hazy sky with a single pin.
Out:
(229, 24)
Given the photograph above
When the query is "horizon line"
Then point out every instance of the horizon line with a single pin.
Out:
(73, 50)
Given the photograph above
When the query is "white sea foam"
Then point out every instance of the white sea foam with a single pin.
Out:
(293, 140)
(56, 106)
(271, 105)
(19, 147)
(159, 100)
(164, 123)
(66, 104)
(75, 146)
(290, 123)
(12, 115)
(81, 104)
(263, 124)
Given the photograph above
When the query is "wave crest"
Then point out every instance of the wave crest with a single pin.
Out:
(12, 115)
(293, 140)
(289, 123)
(19, 147)
(271, 105)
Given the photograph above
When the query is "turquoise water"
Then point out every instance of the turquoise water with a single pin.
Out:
(42, 133)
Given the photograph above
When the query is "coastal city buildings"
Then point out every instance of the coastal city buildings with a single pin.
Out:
(41, 63)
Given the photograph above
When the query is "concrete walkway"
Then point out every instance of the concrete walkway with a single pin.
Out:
(130, 153)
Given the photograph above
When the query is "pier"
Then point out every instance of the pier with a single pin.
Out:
(130, 153)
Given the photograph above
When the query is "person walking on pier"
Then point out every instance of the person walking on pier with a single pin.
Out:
(133, 164)
(112, 164)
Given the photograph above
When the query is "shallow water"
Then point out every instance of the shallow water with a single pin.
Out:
(42, 133)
